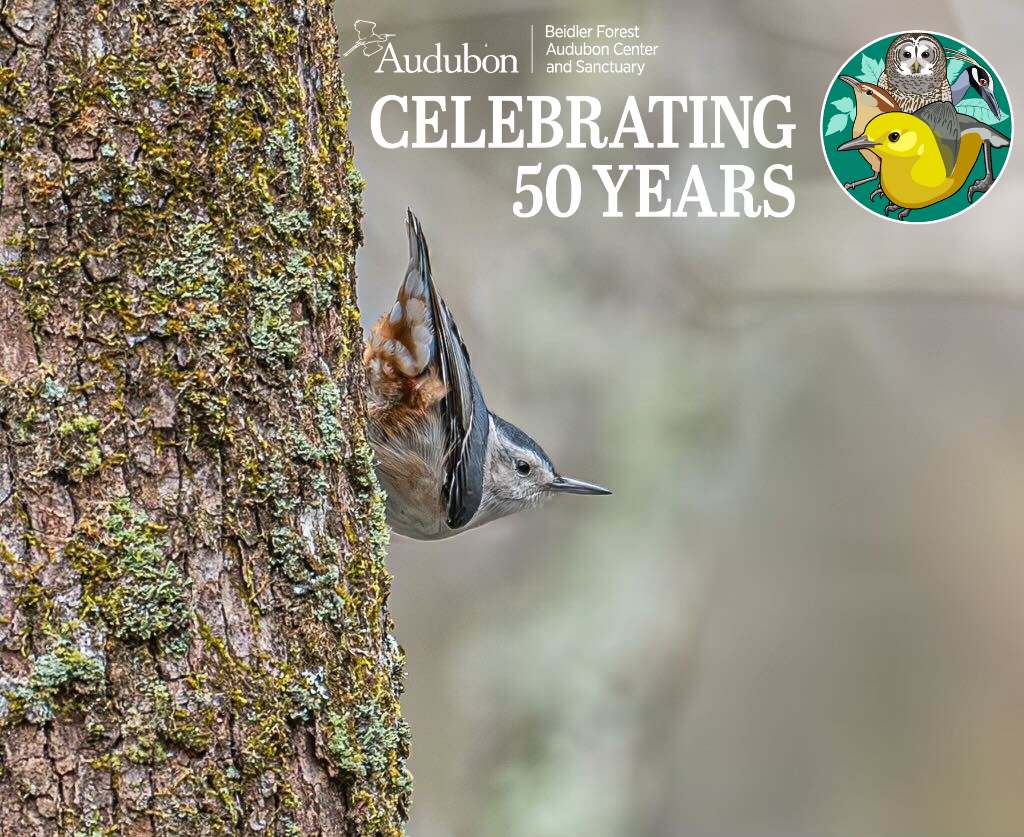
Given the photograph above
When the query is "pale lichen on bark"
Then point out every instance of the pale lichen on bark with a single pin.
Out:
(193, 626)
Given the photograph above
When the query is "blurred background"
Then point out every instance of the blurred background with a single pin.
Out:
(801, 613)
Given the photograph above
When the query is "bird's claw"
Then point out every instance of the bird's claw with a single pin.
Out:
(892, 208)
(979, 186)
(876, 193)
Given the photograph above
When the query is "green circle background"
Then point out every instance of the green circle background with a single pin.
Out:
(850, 165)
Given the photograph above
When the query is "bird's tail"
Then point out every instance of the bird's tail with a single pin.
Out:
(463, 407)
(403, 380)
(405, 335)
(997, 139)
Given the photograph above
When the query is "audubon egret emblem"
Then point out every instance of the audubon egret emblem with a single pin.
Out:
(369, 40)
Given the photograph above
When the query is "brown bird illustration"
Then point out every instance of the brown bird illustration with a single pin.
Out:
(915, 72)
(871, 101)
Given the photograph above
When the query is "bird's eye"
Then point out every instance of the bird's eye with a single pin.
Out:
(983, 82)
(924, 54)
(906, 55)
(895, 135)
(523, 467)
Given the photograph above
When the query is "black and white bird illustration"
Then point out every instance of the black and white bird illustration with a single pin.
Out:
(977, 78)
(915, 72)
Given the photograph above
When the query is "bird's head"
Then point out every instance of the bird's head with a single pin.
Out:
(518, 474)
(891, 135)
(870, 96)
(980, 77)
(917, 53)
(981, 80)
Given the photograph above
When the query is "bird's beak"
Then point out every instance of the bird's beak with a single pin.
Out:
(564, 485)
(858, 144)
(917, 66)
(850, 80)
(990, 100)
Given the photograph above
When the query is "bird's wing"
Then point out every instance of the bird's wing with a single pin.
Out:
(463, 405)
(970, 125)
(943, 119)
(365, 29)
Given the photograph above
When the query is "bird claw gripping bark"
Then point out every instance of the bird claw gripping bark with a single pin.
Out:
(979, 186)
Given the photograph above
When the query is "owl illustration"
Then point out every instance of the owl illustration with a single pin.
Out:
(915, 72)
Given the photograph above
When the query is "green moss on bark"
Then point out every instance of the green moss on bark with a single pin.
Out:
(183, 256)
(129, 579)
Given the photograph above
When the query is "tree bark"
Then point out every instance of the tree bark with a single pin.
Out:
(193, 628)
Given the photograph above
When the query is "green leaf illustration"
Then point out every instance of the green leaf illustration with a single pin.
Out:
(845, 104)
(870, 69)
(954, 68)
(980, 111)
(836, 123)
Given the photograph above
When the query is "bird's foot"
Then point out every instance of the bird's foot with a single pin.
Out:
(903, 215)
(979, 186)
(876, 193)
(891, 208)
(851, 186)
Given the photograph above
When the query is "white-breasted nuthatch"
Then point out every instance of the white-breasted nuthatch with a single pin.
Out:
(447, 463)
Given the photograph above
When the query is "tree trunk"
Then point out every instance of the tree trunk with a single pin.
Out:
(193, 627)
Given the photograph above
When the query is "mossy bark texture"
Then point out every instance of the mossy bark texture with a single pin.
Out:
(193, 627)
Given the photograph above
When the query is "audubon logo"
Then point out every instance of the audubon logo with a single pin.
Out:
(368, 39)
(434, 63)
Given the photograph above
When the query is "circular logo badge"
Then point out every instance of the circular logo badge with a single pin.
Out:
(916, 127)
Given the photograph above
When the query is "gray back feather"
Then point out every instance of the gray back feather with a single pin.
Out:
(463, 407)
(943, 119)
(970, 125)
